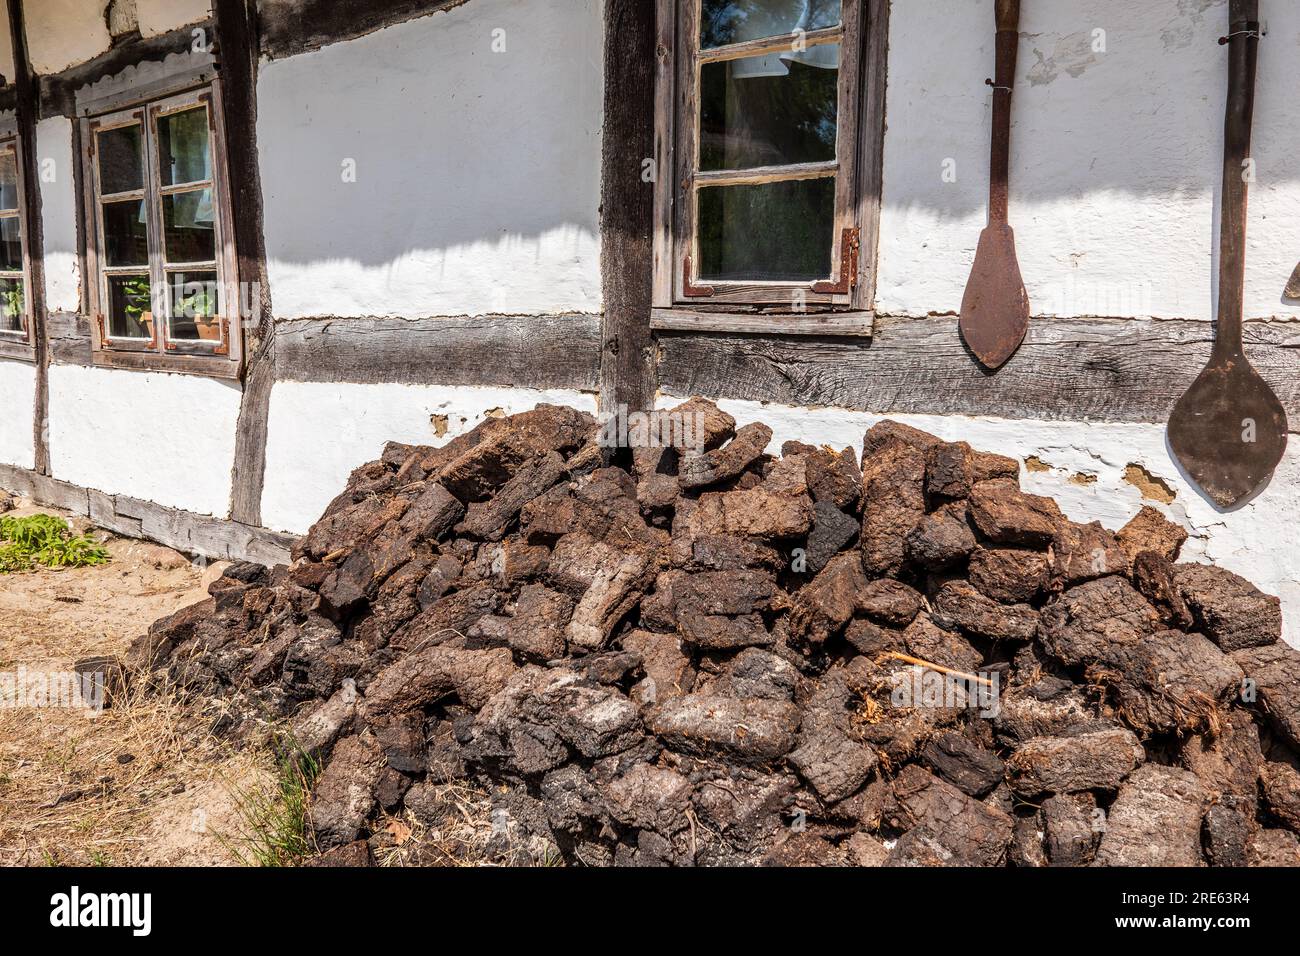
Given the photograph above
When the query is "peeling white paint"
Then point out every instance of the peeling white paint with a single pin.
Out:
(57, 184)
(1255, 540)
(1116, 157)
(17, 399)
(319, 432)
(164, 438)
(63, 33)
(416, 172)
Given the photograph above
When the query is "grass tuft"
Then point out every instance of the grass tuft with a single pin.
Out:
(274, 827)
(45, 541)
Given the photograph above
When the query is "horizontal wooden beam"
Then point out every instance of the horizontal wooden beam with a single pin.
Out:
(297, 26)
(214, 538)
(535, 351)
(763, 323)
(1124, 370)
(58, 93)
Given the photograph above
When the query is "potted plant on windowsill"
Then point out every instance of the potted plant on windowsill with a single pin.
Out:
(201, 306)
(138, 305)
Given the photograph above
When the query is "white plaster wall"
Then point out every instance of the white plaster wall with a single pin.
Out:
(1116, 156)
(152, 435)
(58, 214)
(477, 173)
(63, 33)
(159, 16)
(318, 432)
(17, 398)
(1255, 541)
(6, 44)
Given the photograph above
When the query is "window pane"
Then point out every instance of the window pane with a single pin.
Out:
(734, 21)
(183, 147)
(130, 310)
(11, 305)
(8, 179)
(11, 245)
(121, 160)
(188, 228)
(775, 232)
(194, 306)
(769, 110)
(126, 233)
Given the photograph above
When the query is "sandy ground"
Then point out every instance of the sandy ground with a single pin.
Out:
(141, 783)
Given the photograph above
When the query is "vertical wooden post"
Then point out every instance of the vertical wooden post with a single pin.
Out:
(238, 51)
(627, 365)
(27, 109)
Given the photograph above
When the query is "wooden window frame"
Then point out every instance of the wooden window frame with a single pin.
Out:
(841, 303)
(222, 358)
(19, 344)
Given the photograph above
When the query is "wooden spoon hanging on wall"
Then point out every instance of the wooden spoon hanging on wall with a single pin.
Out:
(1293, 287)
(1229, 431)
(995, 308)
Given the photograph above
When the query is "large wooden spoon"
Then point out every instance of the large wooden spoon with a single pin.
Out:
(995, 307)
(1229, 430)
(1293, 287)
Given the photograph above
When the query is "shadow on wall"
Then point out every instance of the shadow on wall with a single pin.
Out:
(446, 165)
(1117, 155)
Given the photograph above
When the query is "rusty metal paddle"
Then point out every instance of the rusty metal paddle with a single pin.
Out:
(1229, 430)
(995, 307)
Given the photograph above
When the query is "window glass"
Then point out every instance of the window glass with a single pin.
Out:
(8, 179)
(194, 306)
(773, 232)
(183, 155)
(769, 110)
(11, 245)
(735, 21)
(188, 228)
(130, 307)
(126, 233)
(11, 305)
(121, 160)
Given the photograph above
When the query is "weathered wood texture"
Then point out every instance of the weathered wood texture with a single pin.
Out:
(627, 206)
(296, 26)
(58, 93)
(209, 537)
(69, 336)
(237, 34)
(27, 109)
(1126, 370)
(538, 351)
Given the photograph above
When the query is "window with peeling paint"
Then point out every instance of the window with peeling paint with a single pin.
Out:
(765, 120)
(165, 289)
(13, 263)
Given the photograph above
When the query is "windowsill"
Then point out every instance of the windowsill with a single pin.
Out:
(217, 366)
(17, 348)
(856, 323)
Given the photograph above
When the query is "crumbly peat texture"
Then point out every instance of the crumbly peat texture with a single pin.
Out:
(714, 656)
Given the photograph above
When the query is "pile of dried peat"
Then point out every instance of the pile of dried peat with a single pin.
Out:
(713, 656)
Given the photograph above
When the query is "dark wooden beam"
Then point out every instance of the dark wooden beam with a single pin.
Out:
(627, 206)
(27, 110)
(297, 26)
(58, 93)
(238, 45)
(542, 351)
(185, 531)
(1122, 370)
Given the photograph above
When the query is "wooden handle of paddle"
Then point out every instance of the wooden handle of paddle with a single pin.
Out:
(1243, 56)
(1008, 14)
(1008, 42)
